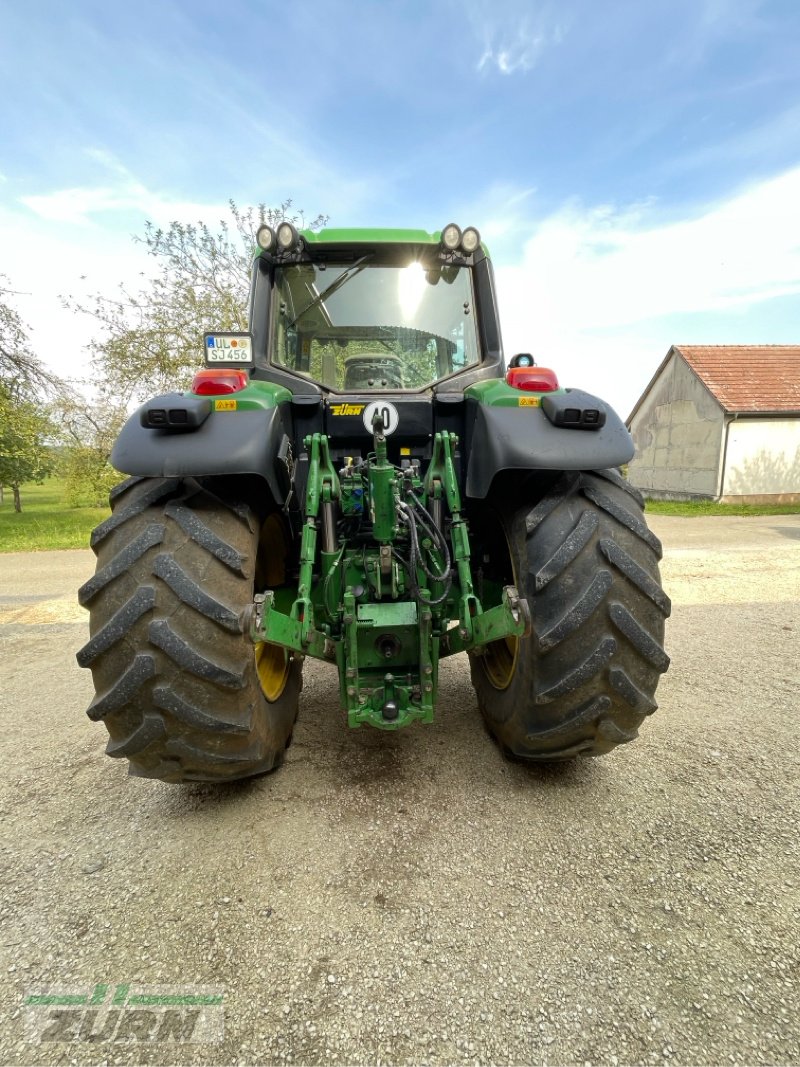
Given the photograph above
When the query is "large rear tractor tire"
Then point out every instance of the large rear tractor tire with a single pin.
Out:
(588, 565)
(185, 694)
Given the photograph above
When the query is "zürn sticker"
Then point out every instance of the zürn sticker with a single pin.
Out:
(347, 409)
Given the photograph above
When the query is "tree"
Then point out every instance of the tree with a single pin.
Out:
(152, 339)
(24, 455)
(21, 372)
(86, 431)
(24, 427)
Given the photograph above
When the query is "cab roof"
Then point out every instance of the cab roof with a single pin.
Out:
(371, 236)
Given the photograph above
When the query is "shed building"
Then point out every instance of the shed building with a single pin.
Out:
(720, 422)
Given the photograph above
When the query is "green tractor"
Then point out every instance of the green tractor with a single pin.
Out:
(361, 480)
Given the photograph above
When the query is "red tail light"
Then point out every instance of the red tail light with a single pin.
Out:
(532, 379)
(218, 381)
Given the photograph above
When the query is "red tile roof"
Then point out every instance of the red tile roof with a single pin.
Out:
(748, 378)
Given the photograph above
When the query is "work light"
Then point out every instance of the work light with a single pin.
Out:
(288, 237)
(451, 237)
(265, 237)
(470, 240)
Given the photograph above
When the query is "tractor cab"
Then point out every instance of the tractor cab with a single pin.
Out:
(373, 311)
(386, 323)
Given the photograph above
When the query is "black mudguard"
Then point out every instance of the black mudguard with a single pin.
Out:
(227, 442)
(524, 439)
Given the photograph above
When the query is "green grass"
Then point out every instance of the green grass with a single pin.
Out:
(45, 521)
(695, 508)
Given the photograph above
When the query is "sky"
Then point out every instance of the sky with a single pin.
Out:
(632, 165)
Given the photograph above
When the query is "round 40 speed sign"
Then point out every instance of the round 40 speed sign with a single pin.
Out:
(388, 413)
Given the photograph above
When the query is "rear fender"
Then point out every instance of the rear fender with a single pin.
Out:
(229, 441)
(509, 430)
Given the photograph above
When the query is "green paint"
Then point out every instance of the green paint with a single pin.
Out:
(176, 999)
(380, 608)
(503, 620)
(382, 491)
(121, 998)
(370, 236)
(256, 396)
(497, 393)
(56, 999)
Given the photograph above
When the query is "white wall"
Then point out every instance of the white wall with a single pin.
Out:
(762, 458)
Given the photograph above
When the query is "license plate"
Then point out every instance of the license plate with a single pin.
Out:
(228, 348)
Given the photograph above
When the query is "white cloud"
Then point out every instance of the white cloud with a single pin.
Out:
(76, 206)
(513, 54)
(512, 40)
(46, 262)
(77, 241)
(599, 289)
(82, 205)
(119, 192)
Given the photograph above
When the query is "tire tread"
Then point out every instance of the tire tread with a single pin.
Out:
(151, 495)
(118, 626)
(174, 670)
(189, 592)
(587, 562)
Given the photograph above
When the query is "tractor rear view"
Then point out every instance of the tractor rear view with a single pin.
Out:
(361, 481)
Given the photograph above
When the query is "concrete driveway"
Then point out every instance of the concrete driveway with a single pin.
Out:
(413, 897)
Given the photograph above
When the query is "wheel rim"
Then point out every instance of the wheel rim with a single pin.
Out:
(272, 661)
(272, 667)
(500, 661)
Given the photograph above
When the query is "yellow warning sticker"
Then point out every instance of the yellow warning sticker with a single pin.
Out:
(530, 401)
(405, 451)
(224, 405)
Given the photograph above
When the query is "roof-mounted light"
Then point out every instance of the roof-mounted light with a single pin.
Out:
(470, 240)
(265, 238)
(288, 237)
(451, 236)
(455, 240)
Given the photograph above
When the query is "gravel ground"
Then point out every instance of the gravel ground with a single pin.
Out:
(413, 898)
